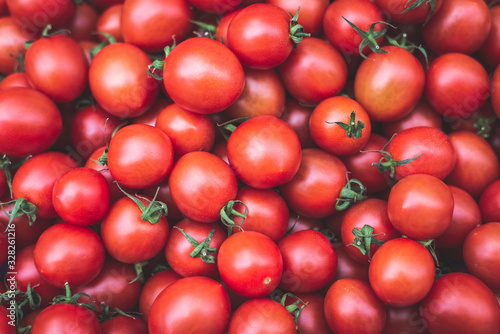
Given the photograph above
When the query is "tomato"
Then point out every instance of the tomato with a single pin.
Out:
(31, 122)
(110, 23)
(340, 125)
(152, 30)
(221, 30)
(201, 184)
(66, 318)
(312, 319)
(215, 6)
(124, 325)
(149, 118)
(298, 223)
(84, 23)
(480, 247)
(261, 315)
(191, 305)
(5, 326)
(453, 303)
(16, 79)
(351, 306)
(489, 52)
(459, 26)
(140, 156)
(127, 236)
(297, 116)
(316, 187)
(313, 59)
(153, 287)
(67, 253)
(476, 166)
(347, 267)
(203, 76)
(164, 196)
(394, 10)
(11, 43)
(119, 81)
(309, 261)
(187, 131)
(264, 152)
(456, 85)
(401, 272)
(311, 13)
(404, 320)
(489, 203)
(250, 264)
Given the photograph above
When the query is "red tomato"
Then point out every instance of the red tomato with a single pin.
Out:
(221, 30)
(153, 287)
(489, 203)
(164, 196)
(124, 325)
(297, 116)
(495, 90)
(264, 152)
(394, 10)
(453, 303)
(5, 326)
(203, 76)
(405, 320)
(66, 318)
(311, 13)
(149, 118)
(489, 52)
(401, 272)
(312, 319)
(110, 23)
(250, 264)
(84, 23)
(215, 6)
(16, 79)
(11, 43)
(352, 307)
(191, 305)
(348, 267)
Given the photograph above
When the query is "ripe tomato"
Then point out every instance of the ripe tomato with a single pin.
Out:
(153, 287)
(394, 10)
(215, 6)
(297, 116)
(66, 318)
(5, 327)
(347, 267)
(489, 203)
(405, 320)
(110, 23)
(312, 319)
(84, 23)
(11, 43)
(122, 324)
(489, 52)
(250, 264)
(16, 79)
(311, 13)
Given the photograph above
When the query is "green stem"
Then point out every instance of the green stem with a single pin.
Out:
(297, 33)
(364, 238)
(151, 213)
(228, 212)
(370, 37)
(418, 3)
(353, 129)
(21, 207)
(201, 250)
(354, 191)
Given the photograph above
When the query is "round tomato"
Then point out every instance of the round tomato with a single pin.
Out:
(16, 79)
(153, 287)
(11, 43)
(401, 11)
(84, 23)
(110, 23)
(348, 267)
(489, 52)
(311, 12)
(489, 203)
(66, 318)
(124, 324)
(297, 116)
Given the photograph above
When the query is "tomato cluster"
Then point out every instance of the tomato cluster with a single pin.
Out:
(246, 166)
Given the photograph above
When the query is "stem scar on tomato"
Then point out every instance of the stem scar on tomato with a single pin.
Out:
(201, 250)
(353, 129)
(370, 36)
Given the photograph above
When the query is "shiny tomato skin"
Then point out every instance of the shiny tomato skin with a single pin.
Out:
(250, 264)
(122, 324)
(312, 318)
(347, 267)
(310, 15)
(489, 52)
(140, 156)
(110, 23)
(264, 152)
(460, 303)
(16, 79)
(203, 76)
(182, 308)
(31, 122)
(119, 81)
(394, 9)
(489, 203)
(66, 318)
(84, 23)
(297, 116)
(405, 320)
(401, 272)
(13, 45)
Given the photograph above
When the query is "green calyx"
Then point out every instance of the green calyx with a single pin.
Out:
(201, 250)
(418, 3)
(46, 33)
(70, 298)
(295, 308)
(353, 129)
(402, 42)
(364, 238)
(354, 191)
(483, 125)
(208, 30)
(151, 213)
(297, 33)
(155, 70)
(21, 301)
(228, 127)
(21, 207)
(370, 37)
(227, 214)
(7, 166)
(107, 41)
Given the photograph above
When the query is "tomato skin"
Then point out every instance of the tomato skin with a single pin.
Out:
(153, 287)
(404, 320)
(201, 184)
(31, 122)
(140, 156)
(264, 152)
(309, 261)
(495, 90)
(452, 306)
(312, 318)
(182, 308)
(124, 325)
(110, 23)
(203, 76)
(351, 306)
(152, 30)
(66, 318)
(311, 13)
(84, 23)
(215, 6)
(401, 272)
(394, 9)
(164, 195)
(16, 79)
(489, 52)
(261, 315)
(69, 253)
(250, 264)
(119, 81)
(5, 327)
(347, 267)
(297, 116)
(14, 44)
(489, 203)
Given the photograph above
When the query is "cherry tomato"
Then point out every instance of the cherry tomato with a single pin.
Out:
(16, 79)
(404, 320)
(66, 318)
(489, 203)
(297, 116)
(110, 23)
(394, 9)
(347, 267)
(84, 23)
(124, 325)
(312, 319)
(311, 13)
(11, 43)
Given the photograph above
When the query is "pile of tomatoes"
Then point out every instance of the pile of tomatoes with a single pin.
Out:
(242, 166)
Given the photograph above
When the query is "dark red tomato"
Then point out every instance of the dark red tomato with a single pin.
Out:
(480, 254)
(110, 23)
(264, 152)
(459, 26)
(188, 131)
(309, 261)
(81, 196)
(453, 303)
(466, 216)
(267, 212)
(31, 122)
(260, 36)
(178, 250)
(372, 212)
(456, 85)
(3, 8)
(437, 155)
(140, 156)
(314, 58)
(3, 183)
(340, 34)
(84, 23)
(347, 267)
(489, 52)
(67, 253)
(250, 264)
(165, 196)
(152, 30)
(393, 9)
(26, 273)
(220, 150)
(481, 122)
(215, 6)
(331, 136)
(401, 272)
(87, 46)
(5, 326)
(91, 128)
(35, 179)
(263, 94)
(119, 80)
(101, 5)
(404, 320)
(149, 118)
(476, 166)
(420, 206)
(298, 223)
(489, 203)
(221, 31)
(352, 307)
(11, 44)
(311, 13)
(203, 76)
(191, 305)
(495, 90)
(66, 318)
(124, 325)
(421, 115)
(297, 116)
(153, 287)
(16, 79)
(382, 87)
(113, 287)
(263, 316)
(127, 237)
(312, 318)
(201, 184)
(317, 185)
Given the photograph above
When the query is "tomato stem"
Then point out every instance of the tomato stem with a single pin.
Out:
(354, 191)
(228, 127)
(208, 29)
(21, 300)
(432, 4)
(227, 213)
(364, 238)
(201, 250)
(408, 46)
(21, 207)
(155, 209)
(109, 39)
(297, 33)
(69, 298)
(370, 37)
(353, 129)
(483, 125)
(295, 308)
(158, 64)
